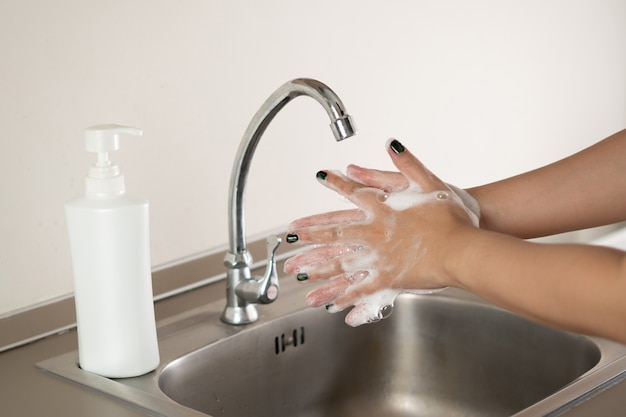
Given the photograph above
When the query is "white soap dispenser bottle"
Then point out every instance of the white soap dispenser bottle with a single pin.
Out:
(109, 241)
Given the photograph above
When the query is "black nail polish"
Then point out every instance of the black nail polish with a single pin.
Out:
(302, 276)
(396, 146)
(292, 238)
(321, 175)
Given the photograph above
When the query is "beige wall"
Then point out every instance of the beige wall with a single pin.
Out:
(480, 90)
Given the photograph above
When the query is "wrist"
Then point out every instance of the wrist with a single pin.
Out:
(461, 256)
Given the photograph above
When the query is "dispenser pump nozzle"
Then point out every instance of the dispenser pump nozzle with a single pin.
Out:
(105, 179)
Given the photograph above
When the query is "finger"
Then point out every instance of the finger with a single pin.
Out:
(309, 259)
(412, 168)
(357, 293)
(335, 288)
(340, 260)
(362, 196)
(335, 217)
(384, 180)
(327, 293)
(372, 309)
(334, 234)
(362, 314)
(313, 258)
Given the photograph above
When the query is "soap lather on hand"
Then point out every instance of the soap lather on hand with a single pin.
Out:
(386, 246)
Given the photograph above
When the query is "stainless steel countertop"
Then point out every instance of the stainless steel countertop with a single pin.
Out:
(26, 391)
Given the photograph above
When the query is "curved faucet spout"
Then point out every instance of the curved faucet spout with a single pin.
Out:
(341, 125)
(238, 309)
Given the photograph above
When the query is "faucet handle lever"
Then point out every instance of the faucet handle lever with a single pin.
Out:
(270, 279)
(265, 289)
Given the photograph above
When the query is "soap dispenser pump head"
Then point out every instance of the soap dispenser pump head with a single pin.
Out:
(104, 178)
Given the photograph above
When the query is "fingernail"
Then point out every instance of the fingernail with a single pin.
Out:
(332, 308)
(302, 276)
(396, 146)
(292, 238)
(321, 175)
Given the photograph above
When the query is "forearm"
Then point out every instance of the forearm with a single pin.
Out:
(429, 241)
(581, 191)
(573, 287)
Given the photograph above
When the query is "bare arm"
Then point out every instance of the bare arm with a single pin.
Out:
(584, 190)
(433, 244)
(573, 287)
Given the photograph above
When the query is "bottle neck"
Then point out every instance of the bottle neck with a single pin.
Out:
(105, 187)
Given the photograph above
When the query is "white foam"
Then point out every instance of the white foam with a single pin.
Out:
(378, 306)
(407, 198)
(361, 262)
(413, 197)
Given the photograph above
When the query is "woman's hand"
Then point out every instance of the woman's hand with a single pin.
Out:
(395, 241)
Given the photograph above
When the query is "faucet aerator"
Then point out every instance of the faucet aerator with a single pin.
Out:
(343, 128)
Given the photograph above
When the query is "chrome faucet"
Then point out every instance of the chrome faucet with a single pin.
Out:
(243, 290)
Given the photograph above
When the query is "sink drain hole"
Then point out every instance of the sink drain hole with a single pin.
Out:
(295, 338)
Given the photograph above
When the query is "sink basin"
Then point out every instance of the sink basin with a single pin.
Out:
(435, 356)
(449, 354)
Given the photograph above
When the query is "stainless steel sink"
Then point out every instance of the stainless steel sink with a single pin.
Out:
(449, 354)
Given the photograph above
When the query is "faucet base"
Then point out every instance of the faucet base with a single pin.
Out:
(240, 315)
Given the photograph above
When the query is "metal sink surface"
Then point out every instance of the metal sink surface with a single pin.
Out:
(447, 354)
